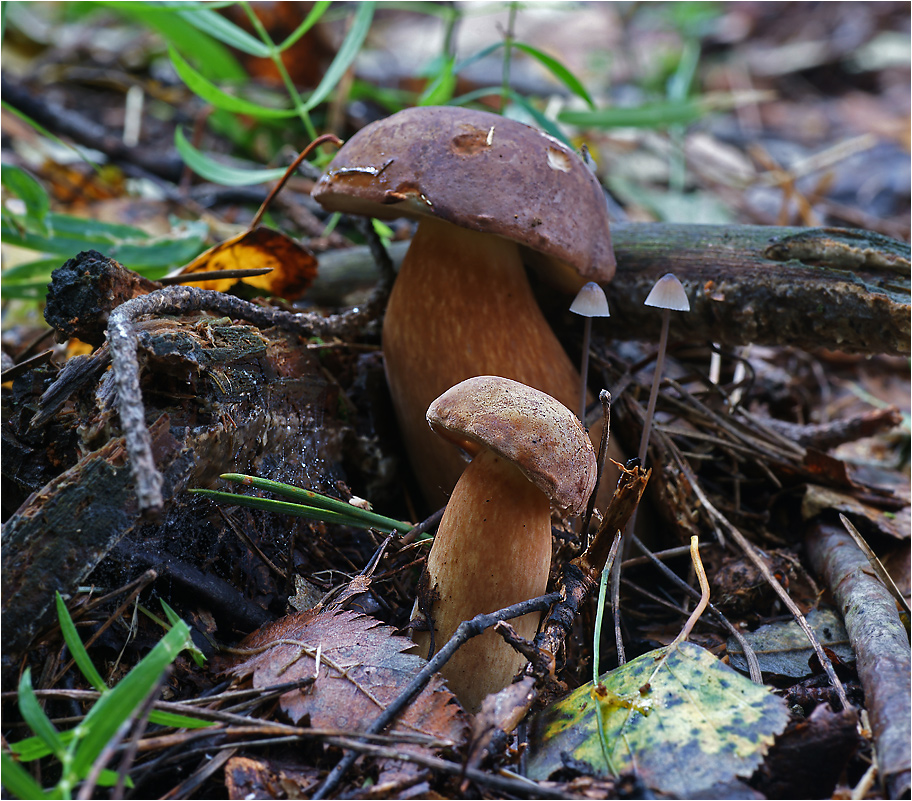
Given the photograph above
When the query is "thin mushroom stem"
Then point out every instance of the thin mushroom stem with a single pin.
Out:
(656, 380)
(584, 369)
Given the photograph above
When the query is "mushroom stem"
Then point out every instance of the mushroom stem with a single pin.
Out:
(493, 549)
(584, 369)
(462, 306)
(654, 392)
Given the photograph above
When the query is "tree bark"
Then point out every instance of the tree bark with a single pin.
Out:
(807, 287)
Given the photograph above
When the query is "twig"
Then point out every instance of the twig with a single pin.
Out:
(605, 399)
(751, 553)
(464, 632)
(881, 645)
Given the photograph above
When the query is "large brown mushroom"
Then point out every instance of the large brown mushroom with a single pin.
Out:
(487, 191)
(493, 546)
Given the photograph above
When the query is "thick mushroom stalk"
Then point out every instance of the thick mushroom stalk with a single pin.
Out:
(486, 190)
(493, 545)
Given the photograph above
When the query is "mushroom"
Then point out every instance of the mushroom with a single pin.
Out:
(589, 302)
(493, 545)
(667, 294)
(483, 188)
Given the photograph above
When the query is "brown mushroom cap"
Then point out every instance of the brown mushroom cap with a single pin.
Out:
(535, 432)
(480, 171)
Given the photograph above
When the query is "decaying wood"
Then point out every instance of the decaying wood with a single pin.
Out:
(234, 395)
(812, 288)
(836, 288)
(881, 647)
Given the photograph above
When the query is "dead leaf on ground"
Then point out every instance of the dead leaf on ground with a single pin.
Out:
(783, 648)
(247, 777)
(693, 724)
(293, 266)
(362, 668)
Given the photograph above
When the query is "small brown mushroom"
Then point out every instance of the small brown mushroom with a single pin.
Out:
(493, 545)
(486, 190)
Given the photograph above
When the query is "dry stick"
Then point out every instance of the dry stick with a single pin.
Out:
(880, 642)
(751, 552)
(213, 275)
(753, 664)
(605, 399)
(580, 577)
(464, 632)
(332, 138)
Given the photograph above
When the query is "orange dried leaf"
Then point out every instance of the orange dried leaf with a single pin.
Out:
(293, 266)
(363, 668)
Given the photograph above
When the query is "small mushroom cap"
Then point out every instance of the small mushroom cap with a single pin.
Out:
(476, 170)
(590, 301)
(668, 293)
(535, 432)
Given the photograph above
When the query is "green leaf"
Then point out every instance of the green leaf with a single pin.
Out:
(132, 247)
(318, 500)
(173, 618)
(77, 649)
(350, 48)
(225, 31)
(30, 192)
(662, 113)
(17, 779)
(115, 706)
(547, 125)
(211, 58)
(558, 70)
(309, 21)
(36, 719)
(220, 173)
(440, 90)
(212, 94)
(690, 724)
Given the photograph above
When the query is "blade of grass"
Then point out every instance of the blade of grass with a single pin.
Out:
(36, 718)
(18, 781)
(209, 92)
(115, 706)
(212, 170)
(309, 21)
(295, 510)
(349, 49)
(315, 499)
(558, 70)
(77, 649)
(225, 31)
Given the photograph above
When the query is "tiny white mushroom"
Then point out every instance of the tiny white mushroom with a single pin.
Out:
(667, 294)
(589, 302)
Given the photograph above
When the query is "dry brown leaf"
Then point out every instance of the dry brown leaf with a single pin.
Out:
(247, 777)
(293, 266)
(362, 668)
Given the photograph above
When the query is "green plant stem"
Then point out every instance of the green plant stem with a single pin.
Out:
(508, 53)
(275, 55)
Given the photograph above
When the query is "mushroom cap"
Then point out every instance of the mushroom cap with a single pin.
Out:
(476, 170)
(590, 301)
(668, 293)
(532, 430)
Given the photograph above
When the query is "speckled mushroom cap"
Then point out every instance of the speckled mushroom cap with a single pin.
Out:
(480, 171)
(537, 433)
